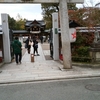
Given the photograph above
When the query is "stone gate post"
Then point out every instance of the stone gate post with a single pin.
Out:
(55, 36)
(6, 39)
(64, 20)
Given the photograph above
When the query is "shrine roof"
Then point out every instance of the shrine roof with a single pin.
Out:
(39, 22)
(73, 24)
(19, 31)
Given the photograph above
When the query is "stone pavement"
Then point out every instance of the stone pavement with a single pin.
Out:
(42, 69)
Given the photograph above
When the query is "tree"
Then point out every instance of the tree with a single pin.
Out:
(11, 22)
(20, 22)
(88, 16)
(48, 9)
(72, 6)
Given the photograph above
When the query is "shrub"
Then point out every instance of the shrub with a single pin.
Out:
(83, 51)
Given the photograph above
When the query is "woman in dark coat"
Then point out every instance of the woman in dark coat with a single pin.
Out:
(35, 46)
(27, 45)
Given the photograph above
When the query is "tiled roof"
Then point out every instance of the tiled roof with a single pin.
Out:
(41, 22)
(19, 31)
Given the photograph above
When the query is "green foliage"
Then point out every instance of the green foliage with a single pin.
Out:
(72, 6)
(80, 51)
(83, 51)
(16, 24)
(81, 54)
(80, 39)
(81, 59)
(90, 16)
(48, 9)
(11, 22)
(20, 23)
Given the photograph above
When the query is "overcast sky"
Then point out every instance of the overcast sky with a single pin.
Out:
(27, 11)
(30, 11)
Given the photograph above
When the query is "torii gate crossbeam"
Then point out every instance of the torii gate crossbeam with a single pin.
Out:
(66, 50)
(42, 1)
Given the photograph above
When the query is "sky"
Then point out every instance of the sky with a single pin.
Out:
(27, 11)
(31, 11)
(88, 3)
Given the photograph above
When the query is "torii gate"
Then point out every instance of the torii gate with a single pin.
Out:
(64, 22)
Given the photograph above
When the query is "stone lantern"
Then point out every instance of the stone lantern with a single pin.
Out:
(95, 47)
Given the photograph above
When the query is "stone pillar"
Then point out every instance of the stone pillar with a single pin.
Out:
(55, 36)
(64, 23)
(6, 39)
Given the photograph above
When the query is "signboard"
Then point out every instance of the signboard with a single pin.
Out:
(72, 34)
(42, 1)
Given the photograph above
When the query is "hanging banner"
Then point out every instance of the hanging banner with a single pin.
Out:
(72, 34)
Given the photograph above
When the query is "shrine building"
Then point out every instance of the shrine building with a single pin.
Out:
(35, 27)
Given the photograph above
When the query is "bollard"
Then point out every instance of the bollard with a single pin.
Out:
(32, 57)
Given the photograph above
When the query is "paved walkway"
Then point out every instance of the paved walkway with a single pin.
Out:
(42, 69)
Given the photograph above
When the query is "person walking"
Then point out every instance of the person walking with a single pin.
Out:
(35, 46)
(28, 44)
(17, 48)
(41, 38)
